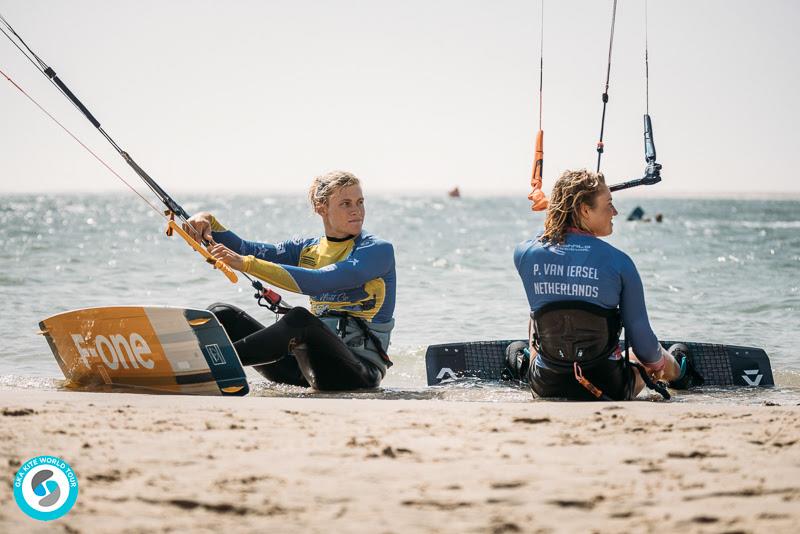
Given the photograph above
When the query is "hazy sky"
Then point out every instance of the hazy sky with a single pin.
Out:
(414, 95)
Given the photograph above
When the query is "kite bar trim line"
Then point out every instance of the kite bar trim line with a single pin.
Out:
(537, 197)
(652, 173)
(600, 145)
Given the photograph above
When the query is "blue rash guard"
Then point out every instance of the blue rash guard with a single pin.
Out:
(588, 269)
(354, 275)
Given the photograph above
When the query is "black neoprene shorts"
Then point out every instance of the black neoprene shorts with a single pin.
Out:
(614, 378)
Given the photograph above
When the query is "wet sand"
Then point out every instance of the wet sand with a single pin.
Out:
(189, 464)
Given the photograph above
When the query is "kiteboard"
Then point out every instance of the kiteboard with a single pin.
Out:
(155, 349)
(719, 365)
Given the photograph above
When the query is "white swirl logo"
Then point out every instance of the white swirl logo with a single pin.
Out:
(45, 488)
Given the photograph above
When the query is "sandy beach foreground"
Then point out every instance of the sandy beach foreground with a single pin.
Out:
(184, 464)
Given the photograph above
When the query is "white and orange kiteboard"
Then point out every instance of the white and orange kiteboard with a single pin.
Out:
(155, 349)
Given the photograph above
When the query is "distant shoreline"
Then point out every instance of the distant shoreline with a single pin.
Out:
(466, 194)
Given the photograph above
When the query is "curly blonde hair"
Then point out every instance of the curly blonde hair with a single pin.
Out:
(322, 187)
(572, 189)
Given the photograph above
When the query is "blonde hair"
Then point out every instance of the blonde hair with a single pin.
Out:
(326, 185)
(572, 189)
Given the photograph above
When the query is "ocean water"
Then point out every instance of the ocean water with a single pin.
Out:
(719, 271)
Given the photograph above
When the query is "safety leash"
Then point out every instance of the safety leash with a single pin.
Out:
(591, 388)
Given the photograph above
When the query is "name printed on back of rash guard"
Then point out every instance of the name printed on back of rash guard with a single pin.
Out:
(579, 272)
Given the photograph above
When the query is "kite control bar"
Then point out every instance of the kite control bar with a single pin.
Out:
(652, 176)
(652, 173)
(224, 268)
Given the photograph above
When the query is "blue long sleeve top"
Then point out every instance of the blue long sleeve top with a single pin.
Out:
(356, 275)
(588, 269)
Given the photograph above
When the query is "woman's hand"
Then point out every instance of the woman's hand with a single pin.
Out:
(672, 369)
(227, 256)
(199, 227)
(669, 372)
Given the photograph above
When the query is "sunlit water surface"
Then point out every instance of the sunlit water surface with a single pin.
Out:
(719, 271)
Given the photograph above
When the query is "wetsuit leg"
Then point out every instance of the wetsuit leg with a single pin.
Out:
(318, 358)
(326, 362)
(270, 348)
(236, 322)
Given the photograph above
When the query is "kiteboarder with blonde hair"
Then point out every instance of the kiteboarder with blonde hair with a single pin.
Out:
(349, 274)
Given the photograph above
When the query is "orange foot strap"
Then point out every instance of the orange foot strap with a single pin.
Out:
(226, 270)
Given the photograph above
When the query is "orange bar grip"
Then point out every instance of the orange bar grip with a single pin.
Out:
(537, 196)
(226, 270)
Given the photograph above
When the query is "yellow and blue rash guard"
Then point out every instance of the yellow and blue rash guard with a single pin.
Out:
(355, 275)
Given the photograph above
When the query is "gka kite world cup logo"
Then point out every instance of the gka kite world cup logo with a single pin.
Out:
(45, 487)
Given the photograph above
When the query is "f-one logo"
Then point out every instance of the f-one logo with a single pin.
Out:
(115, 350)
(752, 381)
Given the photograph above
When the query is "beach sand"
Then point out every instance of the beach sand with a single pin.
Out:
(191, 464)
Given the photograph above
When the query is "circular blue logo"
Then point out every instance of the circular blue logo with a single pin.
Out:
(45, 488)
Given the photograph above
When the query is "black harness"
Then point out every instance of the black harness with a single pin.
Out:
(344, 318)
(576, 335)
(572, 331)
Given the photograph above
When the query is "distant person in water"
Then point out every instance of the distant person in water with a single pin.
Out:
(341, 343)
(638, 215)
(581, 290)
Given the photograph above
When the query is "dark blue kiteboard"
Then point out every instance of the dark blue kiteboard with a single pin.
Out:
(719, 365)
